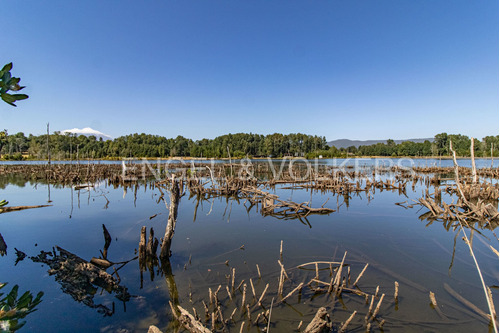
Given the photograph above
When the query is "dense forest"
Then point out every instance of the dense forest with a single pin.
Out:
(68, 146)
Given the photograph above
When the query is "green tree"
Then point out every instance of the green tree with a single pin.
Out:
(442, 143)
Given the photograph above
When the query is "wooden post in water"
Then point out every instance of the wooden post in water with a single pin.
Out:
(473, 162)
(48, 147)
(492, 155)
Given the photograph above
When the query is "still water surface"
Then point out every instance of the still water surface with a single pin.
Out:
(396, 244)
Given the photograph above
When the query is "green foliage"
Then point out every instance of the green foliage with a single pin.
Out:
(440, 147)
(12, 308)
(240, 145)
(8, 83)
(69, 146)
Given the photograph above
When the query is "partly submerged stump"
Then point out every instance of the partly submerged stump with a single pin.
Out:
(154, 329)
(175, 195)
(320, 323)
(187, 320)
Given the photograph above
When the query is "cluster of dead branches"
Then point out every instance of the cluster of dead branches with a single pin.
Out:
(250, 304)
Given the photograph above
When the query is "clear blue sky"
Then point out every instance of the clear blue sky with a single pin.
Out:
(202, 68)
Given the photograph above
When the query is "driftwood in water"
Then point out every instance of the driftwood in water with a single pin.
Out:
(470, 208)
(17, 208)
(272, 205)
(104, 262)
(81, 177)
(248, 189)
(154, 329)
(187, 320)
(483, 190)
(464, 171)
(320, 323)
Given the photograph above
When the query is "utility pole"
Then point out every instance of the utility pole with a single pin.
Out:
(48, 156)
(48, 148)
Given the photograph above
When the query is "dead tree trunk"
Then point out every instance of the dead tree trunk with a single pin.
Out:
(172, 218)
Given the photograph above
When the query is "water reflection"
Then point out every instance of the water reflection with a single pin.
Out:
(81, 279)
(415, 259)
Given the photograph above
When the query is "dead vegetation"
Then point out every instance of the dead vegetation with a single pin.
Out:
(233, 306)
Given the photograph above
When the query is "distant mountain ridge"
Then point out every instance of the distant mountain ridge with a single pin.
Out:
(87, 131)
(344, 143)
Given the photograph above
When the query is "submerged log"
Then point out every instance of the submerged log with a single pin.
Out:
(187, 320)
(320, 323)
(103, 263)
(16, 208)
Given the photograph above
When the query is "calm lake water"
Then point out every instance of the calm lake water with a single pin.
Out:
(397, 245)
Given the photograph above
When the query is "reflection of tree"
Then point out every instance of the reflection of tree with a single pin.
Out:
(12, 309)
(166, 268)
(148, 260)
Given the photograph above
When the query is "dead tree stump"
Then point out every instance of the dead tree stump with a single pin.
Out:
(320, 323)
(175, 195)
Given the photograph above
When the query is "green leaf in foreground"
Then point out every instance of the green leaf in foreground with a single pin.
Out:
(7, 82)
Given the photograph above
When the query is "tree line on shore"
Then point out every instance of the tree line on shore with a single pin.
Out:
(69, 146)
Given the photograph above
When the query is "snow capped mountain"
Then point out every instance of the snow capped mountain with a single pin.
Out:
(87, 131)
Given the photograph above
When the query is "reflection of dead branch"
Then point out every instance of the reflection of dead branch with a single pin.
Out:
(81, 279)
(3, 246)
(147, 253)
